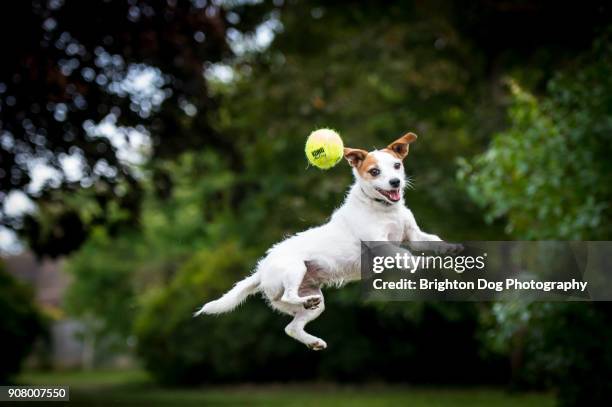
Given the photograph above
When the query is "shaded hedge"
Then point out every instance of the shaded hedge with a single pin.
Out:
(20, 327)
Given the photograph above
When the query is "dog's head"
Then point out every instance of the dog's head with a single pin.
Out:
(380, 173)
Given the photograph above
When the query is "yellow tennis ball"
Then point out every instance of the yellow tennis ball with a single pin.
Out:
(324, 148)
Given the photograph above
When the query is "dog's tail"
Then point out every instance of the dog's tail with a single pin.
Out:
(234, 297)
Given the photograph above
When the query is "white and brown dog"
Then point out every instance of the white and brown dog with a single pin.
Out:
(293, 271)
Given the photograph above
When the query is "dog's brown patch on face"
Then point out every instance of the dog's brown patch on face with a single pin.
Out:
(369, 163)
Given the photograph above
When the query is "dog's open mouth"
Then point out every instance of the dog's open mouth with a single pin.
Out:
(392, 195)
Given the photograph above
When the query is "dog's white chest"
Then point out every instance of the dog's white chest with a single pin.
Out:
(381, 227)
(389, 229)
(395, 232)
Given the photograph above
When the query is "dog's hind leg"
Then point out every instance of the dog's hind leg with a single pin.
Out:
(295, 329)
(292, 282)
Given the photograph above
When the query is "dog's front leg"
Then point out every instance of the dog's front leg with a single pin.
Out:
(387, 249)
(419, 240)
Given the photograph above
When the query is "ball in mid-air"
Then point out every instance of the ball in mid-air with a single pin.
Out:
(324, 148)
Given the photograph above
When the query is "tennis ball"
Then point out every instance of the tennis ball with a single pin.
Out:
(324, 148)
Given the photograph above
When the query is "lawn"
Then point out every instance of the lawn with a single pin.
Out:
(134, 387)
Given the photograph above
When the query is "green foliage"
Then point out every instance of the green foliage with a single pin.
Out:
(563, 345)
(103, 284)
(21, 324)
(550, 174)
(112, 270)
(64, 217)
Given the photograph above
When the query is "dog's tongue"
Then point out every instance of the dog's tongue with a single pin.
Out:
(394, 195)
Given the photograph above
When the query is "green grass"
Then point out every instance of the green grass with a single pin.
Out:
(135, 387)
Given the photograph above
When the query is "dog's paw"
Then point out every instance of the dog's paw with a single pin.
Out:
(312, 302)
(448, 248)
(319, 344)
(455, 248)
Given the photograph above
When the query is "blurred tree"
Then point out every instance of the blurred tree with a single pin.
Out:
(67, 65)
(21, 324)
(113, 272)
(549, 176)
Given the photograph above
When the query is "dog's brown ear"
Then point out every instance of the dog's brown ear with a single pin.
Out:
(355, 156)
(399, 147)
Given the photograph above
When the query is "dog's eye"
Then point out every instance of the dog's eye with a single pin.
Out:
(374, 172)
(397, 166)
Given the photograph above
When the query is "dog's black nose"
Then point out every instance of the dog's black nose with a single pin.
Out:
(395, 182)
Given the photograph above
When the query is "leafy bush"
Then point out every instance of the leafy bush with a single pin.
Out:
(562, 345)
(550, 176)
(21, 324)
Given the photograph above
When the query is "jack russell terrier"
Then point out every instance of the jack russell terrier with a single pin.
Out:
(293, 271)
